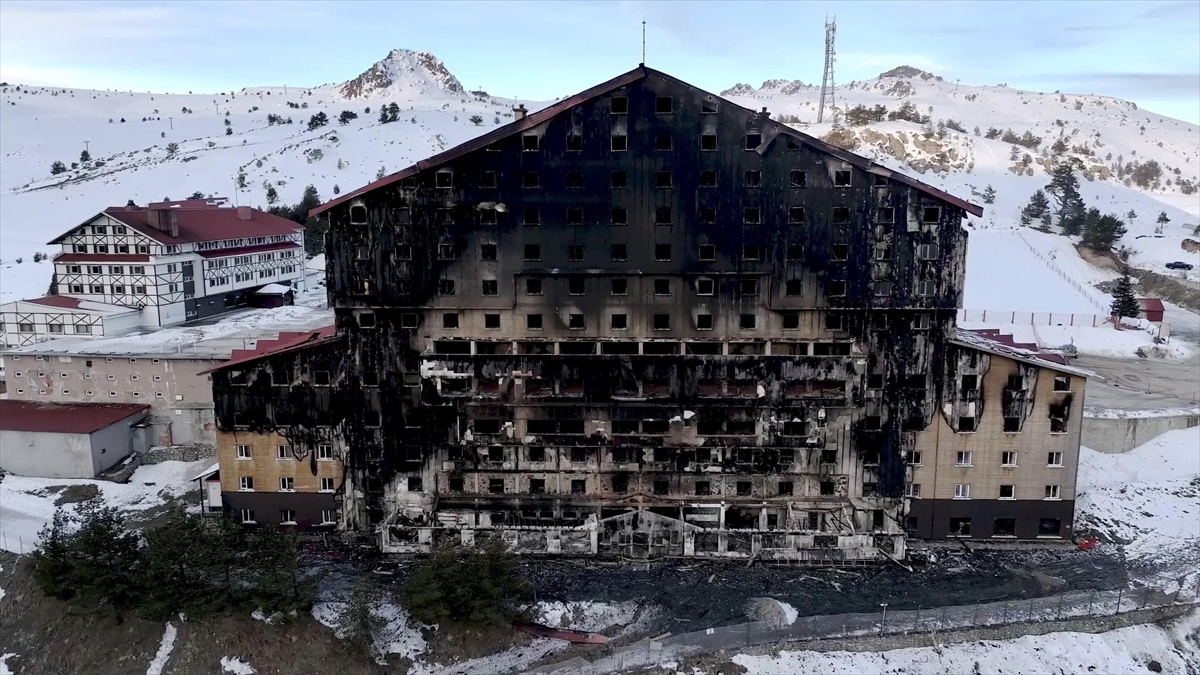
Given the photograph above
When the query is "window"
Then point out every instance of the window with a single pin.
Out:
(662, 215)
(747, 286)
(1052, 492)
(490, 287)
(1008, 492)
(77, 288)
(491, 321)
(450, 320)
(531, 179)
(496, 486)
(25, 327)
(662, 286)
(287, 484)
(408, 320)
(575, 322)
(703, 487)
(963, 458)
(414, 483)
(533, 321)
(1062, 383)
(960, 527)
(1008, 458)
(1004, 527)
(921, 322)
(118, 290)
(662, 141)
(443, 179)
(283, 452)
(882, 288)
(791, 321)
(533, 252)
(962, 490)
(662, 252)
(54, 327)
(619, 142)
(753, 140)
(618, 179)
(328, 516)
(533, 286)
(885, 215)
(708, 142)
(796, 215)
(141, 290)
(743, 488)
(620, 252)
(619, 287)
(839, 251)
(1049, 527)
(708, 179)
(708, 252)
(97, 289)
(1058, 425)
(841, 179)
(749, 252)
(575, 285)
(446, 287)
(912, 490)
(704, 322)
(537, 486)
(530, 142)
(931, 214)
(966, 424)
(747, 322)
(1054, 459)
(574, 216)
(287, 517)
(403, 252)
(620, 105)
(82, 329)
(619, 322)
(751, 215)
(246, 483)
(488, 252)
(753, 178)
(1012, 425)
(243, 451)
(247, 516)
(574, 144)
(662, 322)
(619, 217)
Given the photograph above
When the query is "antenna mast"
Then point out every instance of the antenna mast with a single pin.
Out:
(643, 42)
(827, 97)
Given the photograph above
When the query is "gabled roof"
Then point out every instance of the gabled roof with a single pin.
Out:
(993, 341)
(63, 418)
(534, 119)
(80, 305)
(198, 220)
(1151, 305)
(286, 342)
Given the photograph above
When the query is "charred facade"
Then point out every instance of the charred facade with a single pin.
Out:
(644, 321)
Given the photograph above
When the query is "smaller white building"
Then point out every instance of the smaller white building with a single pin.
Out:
(68, 440)
(25, 322)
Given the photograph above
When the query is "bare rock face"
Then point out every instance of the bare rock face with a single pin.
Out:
(420, 72)
(909, 72)
(1190, 245)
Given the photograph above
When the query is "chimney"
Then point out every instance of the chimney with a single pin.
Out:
(764, 115)
(163, 219)
(519, 112)
(130, 206)
(243, 212)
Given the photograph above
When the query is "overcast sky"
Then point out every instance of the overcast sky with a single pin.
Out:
(1146, 51)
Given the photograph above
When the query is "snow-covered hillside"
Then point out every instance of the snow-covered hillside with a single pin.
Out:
(221, 136)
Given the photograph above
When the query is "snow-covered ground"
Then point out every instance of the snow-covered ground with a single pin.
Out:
(1149, 500)
(1134, 649)
(27, 504)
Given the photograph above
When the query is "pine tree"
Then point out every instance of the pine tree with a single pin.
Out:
(989, 195)
(1131, 216)
(1161, 222)
(383, 115)
(1101, 232)
(336, 190)
(358, 624)
(280, 580)
(1124, 302)
(476, 119)
(346, 116)
(272, 195)
(241, 179)
(57, 168)
(228, 131)
(172, 148)
(380, 173)
(196, 195)
(1064, 188)
(1038, 208)
(317, 121)
(85, 157)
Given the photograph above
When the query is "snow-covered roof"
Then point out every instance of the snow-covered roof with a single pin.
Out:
(993, 342)
(273, 289)
(77, 305)
(207, 471)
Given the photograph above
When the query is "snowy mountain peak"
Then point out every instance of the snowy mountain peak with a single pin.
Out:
(778, 86)
(403, 71)
(909, 72)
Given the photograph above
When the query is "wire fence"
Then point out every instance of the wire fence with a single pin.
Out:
(1072, 605)
(17, 543)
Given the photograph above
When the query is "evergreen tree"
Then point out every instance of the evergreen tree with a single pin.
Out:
(241, 179)
(1161, 222)
(1038, 208)
(1101, 232)
(336, 190)
(476, 119)
(358, 624)
(989, 195)
(228, 131)
(172, 148)
(177, 571)
(279, 579)
(383, 115)
(57, 168)
(272, 195)
(346, 116)
(380, 173)
(468, 586)
(1131, 216)
(95, 563)
(1064, 188)
(1124, 302)
(393, 112)
(317, 121)
(85, 157)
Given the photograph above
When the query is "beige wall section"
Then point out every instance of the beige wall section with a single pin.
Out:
(939, 445)
(159, 382)
(265, 466)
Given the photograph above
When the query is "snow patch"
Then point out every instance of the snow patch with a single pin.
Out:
(1126, 650)
(400, 634)
(4, 663)
(232, 664)
(585, 615)
(790, 614)
(164, 650)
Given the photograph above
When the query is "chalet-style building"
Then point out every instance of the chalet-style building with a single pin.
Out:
(643, 321)
(178, 261)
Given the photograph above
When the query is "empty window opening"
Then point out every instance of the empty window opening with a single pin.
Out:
(753, 178)
(749, 252)
(662, 252)
(619, 142)
(791, 320)
(663, 104)
(748, 286)
(662, 215)
(708, 142)
(793, 287)
(1049, 527)
(662, 141)
(620, 217)
(704, 322)
(841, 214)
(619, 287)
(620, 252)
(662, 286)
(841, 178)
(446, 287)
(708, 179)
(531, 179)
(1008, 492)
(662, 322)
(839, 251)
(358, 214)
(618, 179)
(662, 179)
(753, 141)
(491, 287)
(488, 252)
(575, 252)
(748, 322)
(530, 142)
(533, 286)
(619, 322)
(450, 320)
(885, 215)
(533, 321)
(931, 214)
(574, 179)
(1004, 527)
(533, 252)
(491, 321)
(620, 105)
(575, 322)
(751, 215)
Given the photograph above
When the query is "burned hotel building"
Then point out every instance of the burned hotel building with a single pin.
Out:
(643, 321)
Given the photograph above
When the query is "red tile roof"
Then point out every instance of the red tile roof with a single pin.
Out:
(264, 248)
(199, 220)
(63, 418)
(100, 257)
(534, 119)
(57, 301)
(286, 342)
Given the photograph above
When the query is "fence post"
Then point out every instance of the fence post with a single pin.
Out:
(1005, 619)
(1091, 598)
(1119, 592)
(1060, 604)
(917, 622)
(1030, 617)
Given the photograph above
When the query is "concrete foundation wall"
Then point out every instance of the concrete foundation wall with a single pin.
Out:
(50, 455)
(1114, 436)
